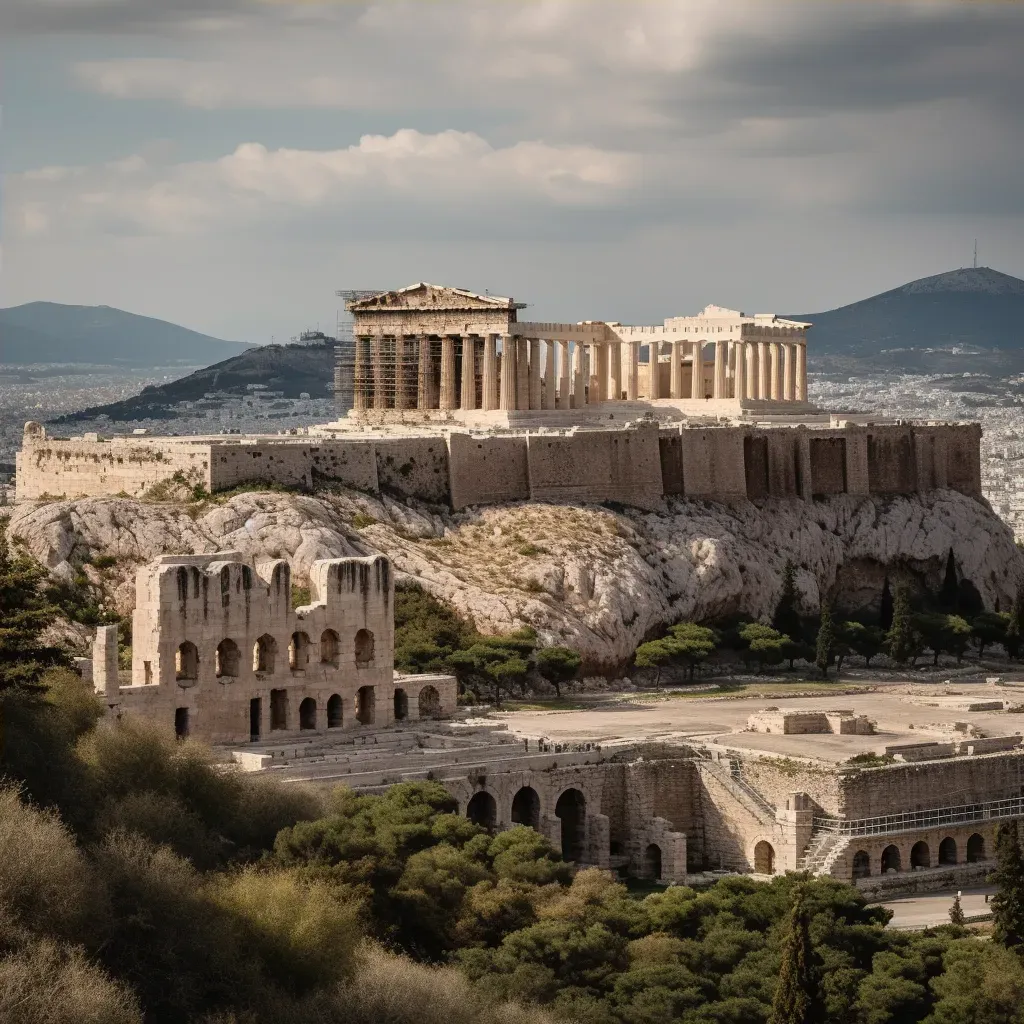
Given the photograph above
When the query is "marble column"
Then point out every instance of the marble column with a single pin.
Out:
(359, 388)
(801, 373)
(564, 378)
(380, 397)
(602, 371)
(775, 371)
(534, 393)
(489, 398)
(578, 393)
(633, 371)
(676, 375)
(448, 373)
(697, 371)
(739, 378)
(550, 376)
(764, 371)
(468, 397)
(655, 368)
(788, 392)
(522, 374)
(753, 371)
(508, 372)
(719, 369)
(615, 385)
(423, 373)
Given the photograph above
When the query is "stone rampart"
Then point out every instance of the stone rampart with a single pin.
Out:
(487, 470)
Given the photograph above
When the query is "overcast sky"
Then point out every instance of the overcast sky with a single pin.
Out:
(227, 164)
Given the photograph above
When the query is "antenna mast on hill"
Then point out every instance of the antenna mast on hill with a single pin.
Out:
(345, 351)
(975, 254)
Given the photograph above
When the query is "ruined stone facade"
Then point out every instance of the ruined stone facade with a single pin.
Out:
(218, 651)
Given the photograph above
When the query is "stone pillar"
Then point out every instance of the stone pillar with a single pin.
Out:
(615, 348)
(380, 400)
(447, 373)
(602, 371)
(359, 375)
(550, 376)
(577, 400)
(788, 390)
(655, 368)
(104, 662)
(764, 371)
(468, 397)
(423, 376)
(697, 375)
(775, 372)
(719, 369)
(796, 821)
(534, 393)
(489, 400)
(508, 372)
(753, 380)
(676, 375)
(410, 372)
(522, 374)
(801, 373)
(564, 377)
(633, 371)
(739, 377)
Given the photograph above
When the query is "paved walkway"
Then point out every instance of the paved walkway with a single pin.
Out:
(914, 912)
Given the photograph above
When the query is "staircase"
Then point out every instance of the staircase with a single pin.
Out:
(824, 849)
(742, 791)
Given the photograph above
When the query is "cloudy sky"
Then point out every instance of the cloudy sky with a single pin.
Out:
(227, 164)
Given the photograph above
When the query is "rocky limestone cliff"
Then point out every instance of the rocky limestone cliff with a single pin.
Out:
(596, 578)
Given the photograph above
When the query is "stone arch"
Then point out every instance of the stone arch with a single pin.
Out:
(526, 807)
(298, 651)
(891, 860)
(975, 848)
(652, 862)
(429, 702)
(307, 713)
(401, 705)
(947, 851)
(264, 654)
(225, 586)
(329, 648)
(366, 705)
(181, 577)
(571, 808)
(482, 809)
(186, 662)
(364, 647)
(335, 712)
(862, 864)
(920, 855)
(764, 858)
(228, 658)
(278, 709)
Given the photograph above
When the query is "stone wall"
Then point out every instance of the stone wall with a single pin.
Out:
(413, 467)
(487, 470)
(713, 466)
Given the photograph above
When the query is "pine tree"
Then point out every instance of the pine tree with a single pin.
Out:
(956, 912)
(885, 609)
(826, 640)
(797, 998)
(1008, 903)
(901, 642)
(787, 619)
(950, 586)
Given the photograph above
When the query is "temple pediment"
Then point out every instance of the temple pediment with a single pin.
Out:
(432, 297)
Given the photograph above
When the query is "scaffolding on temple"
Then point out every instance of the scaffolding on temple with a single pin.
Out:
(345, 352)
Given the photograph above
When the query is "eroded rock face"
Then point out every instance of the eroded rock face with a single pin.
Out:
(587, 576)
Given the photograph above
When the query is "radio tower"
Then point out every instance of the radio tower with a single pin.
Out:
(345, 352)
(975, 254)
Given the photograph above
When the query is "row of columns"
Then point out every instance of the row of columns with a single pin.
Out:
(399, 373)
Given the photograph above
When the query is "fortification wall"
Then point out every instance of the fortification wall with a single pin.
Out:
(712, 463)
(413, 467)
(776, 778)
(487, 470)
(272, 462)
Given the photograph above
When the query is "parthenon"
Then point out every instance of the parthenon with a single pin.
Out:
(445, 353)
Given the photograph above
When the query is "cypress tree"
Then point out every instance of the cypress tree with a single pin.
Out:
(826, 639)
(797, 997)
(956, 912)
(899, 641)
(950, 586)
(787, 619)
(885, 610)
(1008, 903)
(1015, 627)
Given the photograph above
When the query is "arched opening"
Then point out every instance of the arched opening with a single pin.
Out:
(334, 712)
(526, 807)
(861, 864)
(975, 848)
(307, 713)
(652, 862)
(264, 654)
(186, 661)
(278, 709)
(329, 648)
(764, 858)
(298, 652)
(429, 702)
(401, 705)
(225, 587)
(947, 851)
(181, 723)
(572, 810)
(483, 810)
(890, 859)
(920, 855)
(228, 659)
(366, 705)
(255, 718)
(364, 647)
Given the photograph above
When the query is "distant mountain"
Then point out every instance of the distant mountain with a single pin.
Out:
(968, 319)
(291, 369)
(49, 332)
